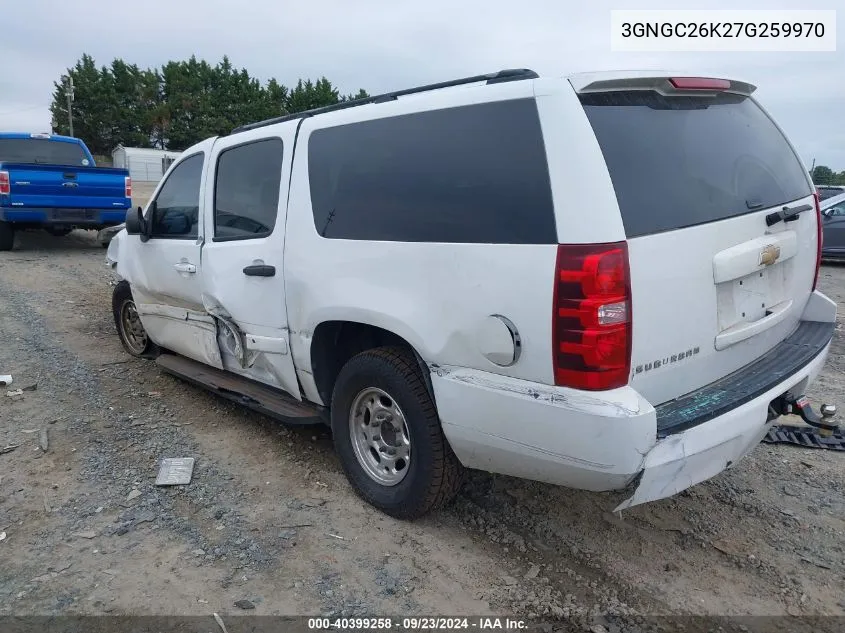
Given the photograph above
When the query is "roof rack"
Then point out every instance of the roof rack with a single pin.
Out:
(512, 74)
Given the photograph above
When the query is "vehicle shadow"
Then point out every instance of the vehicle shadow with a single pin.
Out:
(40, 241)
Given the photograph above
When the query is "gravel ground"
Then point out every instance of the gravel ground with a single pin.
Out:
(270, 526)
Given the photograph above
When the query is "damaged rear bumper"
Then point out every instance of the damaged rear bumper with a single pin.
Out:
(607, 440)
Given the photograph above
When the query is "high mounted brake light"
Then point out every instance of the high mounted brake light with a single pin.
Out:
(819, 238)
(591, 327)
(5, 184)
(699, 83)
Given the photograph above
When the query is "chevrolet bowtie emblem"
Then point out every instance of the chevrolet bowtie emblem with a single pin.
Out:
(769, 255)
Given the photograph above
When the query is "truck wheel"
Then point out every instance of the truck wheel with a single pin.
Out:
(128, 323)
(7, 236)
(388, 435)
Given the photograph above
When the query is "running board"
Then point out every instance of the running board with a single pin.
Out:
(249, 393)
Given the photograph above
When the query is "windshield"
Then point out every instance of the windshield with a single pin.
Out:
(682, 161)
(42, 152)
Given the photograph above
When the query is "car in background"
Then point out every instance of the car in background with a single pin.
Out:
(829, 191)
(833, 217)
(51, 182)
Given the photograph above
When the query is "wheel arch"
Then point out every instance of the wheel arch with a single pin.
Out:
(335, 342)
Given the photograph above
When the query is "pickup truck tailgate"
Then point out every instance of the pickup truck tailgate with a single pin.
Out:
(57, 186)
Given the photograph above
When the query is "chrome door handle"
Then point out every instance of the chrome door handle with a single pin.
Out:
(185, 267)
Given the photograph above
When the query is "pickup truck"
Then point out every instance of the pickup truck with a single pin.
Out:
(50, 182)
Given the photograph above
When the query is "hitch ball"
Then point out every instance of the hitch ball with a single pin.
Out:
(828, 410)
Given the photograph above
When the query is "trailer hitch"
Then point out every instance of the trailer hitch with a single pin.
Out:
(800, 406)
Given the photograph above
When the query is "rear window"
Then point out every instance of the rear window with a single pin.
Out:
(42, 152)
(468, 174)
(681, 161)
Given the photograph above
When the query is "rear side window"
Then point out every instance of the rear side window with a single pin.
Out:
(246, 190)
(42, 152)
(468, 174)
(681, 161)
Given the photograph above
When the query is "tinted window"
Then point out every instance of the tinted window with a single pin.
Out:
(41, 151)
(470, 174)
(829, 192)
(176, 211)
(682, 161)
(246, 192)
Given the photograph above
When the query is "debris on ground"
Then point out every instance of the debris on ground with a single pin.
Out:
(89, 534)
(15, 394)
(133, 494)
(244, 604)
(43, 440)
(31, 387)
(5, 380)
(2, 536)
(8, 449)
(807, 437)
(175, 471)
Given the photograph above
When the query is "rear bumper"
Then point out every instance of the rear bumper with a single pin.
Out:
(83, 218)
(606, 440)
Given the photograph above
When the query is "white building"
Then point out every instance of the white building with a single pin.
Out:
(144, 165)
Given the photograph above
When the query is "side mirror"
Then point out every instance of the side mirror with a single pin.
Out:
(827, 213)
(134, 221)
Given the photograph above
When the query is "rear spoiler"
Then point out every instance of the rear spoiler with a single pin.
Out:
(667, 85)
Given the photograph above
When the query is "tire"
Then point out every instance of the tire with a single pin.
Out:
(135, 341)
(59, 231)
(432, 473)
(7, 236)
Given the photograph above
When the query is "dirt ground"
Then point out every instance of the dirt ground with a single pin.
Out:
(270, 519)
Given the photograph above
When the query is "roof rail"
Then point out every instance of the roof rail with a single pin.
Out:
(511, 74)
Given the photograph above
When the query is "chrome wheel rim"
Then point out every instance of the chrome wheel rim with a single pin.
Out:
(133, 332)
(380, 438)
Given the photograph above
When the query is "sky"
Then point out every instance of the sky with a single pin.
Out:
(383, 45)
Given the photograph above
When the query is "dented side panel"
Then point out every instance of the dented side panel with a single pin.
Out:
(253, 334)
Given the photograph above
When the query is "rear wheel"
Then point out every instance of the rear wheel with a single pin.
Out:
(129, 328)
(388, 435)
(7, 236)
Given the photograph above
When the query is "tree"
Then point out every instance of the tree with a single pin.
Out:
(177, 105)
(823, 175)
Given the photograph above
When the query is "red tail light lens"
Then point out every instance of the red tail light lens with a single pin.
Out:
(128, 184)
(699, 83)
(591, 327)
(5, 185)
(819, 238)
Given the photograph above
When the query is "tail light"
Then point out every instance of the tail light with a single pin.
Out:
(128, 184)
(591, 326)
(819, 238)
(5, 184)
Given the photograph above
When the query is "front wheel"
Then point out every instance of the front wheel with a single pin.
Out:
(388, 435)
(7, 236)
(129, 327)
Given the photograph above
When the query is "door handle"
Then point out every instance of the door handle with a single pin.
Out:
(260, 270)
(184, 267)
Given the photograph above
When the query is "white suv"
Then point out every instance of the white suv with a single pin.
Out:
(601, 281)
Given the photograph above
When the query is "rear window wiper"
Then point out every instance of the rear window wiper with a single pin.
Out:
(787, 214)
